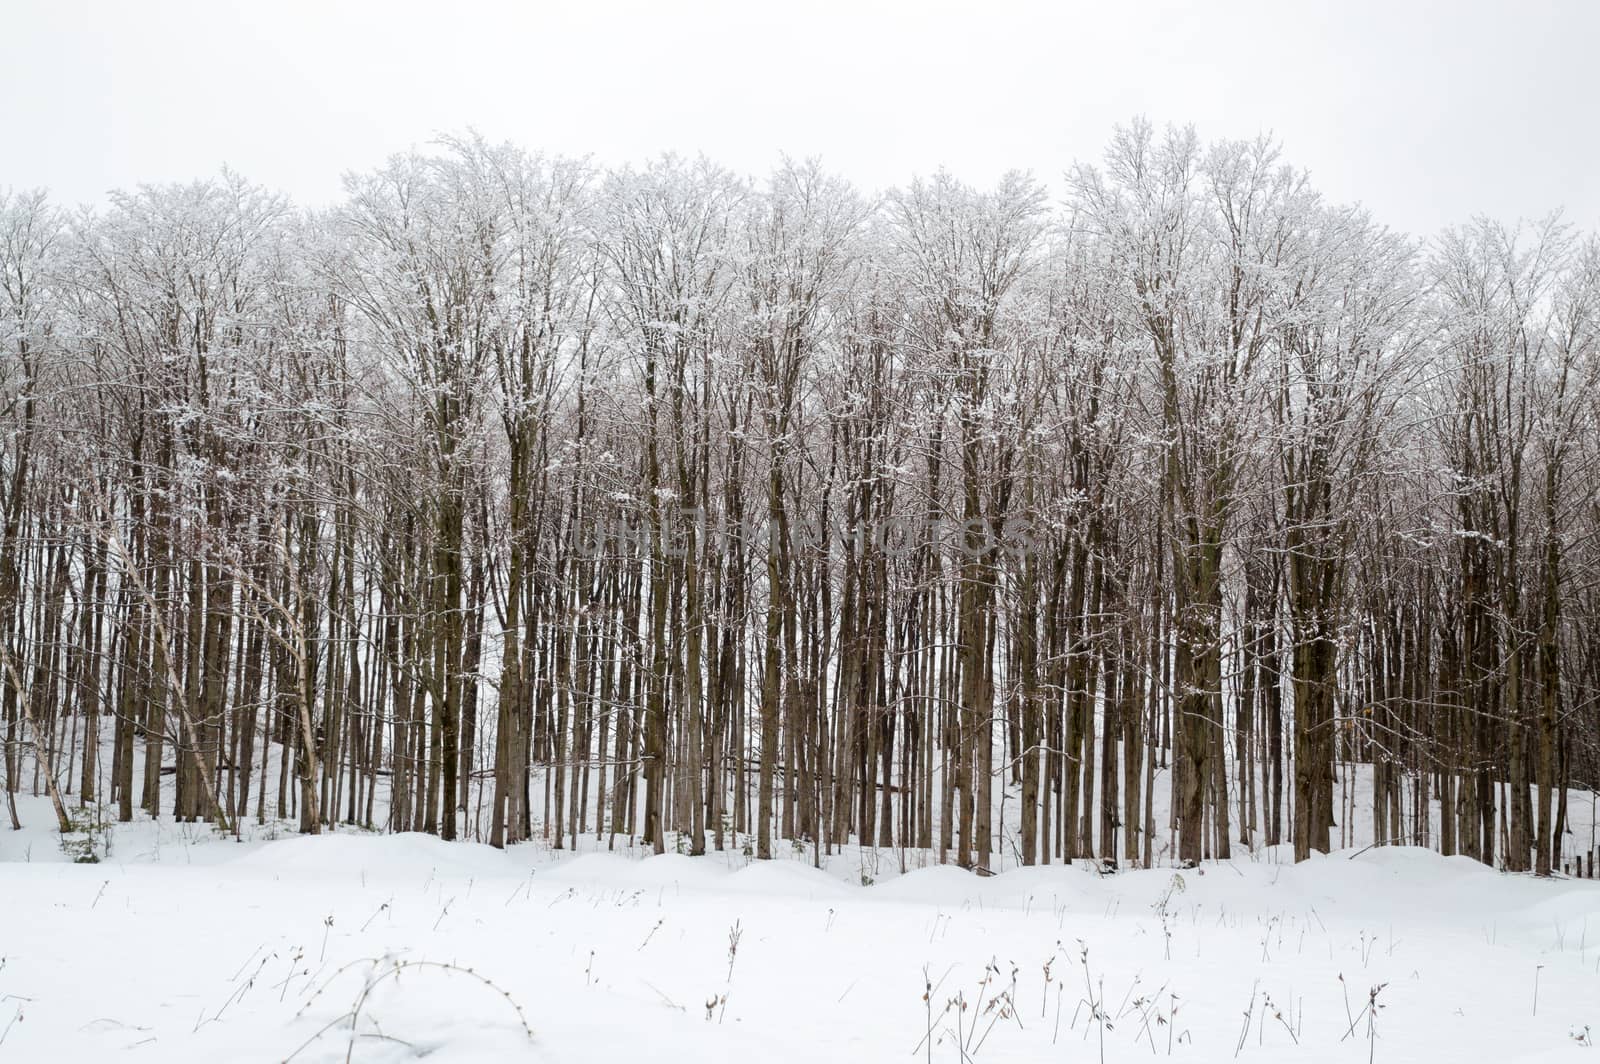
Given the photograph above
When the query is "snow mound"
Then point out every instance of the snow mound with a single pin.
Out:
(348, 856)
(785, 878)
(610, 870)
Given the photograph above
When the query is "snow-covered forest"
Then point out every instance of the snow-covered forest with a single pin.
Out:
(1165, 520)
(513, 498)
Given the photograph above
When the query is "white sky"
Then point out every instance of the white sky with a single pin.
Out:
(1428, 112)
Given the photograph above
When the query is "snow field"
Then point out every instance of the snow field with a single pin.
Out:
(401, 947)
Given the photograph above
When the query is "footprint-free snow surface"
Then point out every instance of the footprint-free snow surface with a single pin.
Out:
(184, 947)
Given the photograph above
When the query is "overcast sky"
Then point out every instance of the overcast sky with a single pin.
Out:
(1427, 112)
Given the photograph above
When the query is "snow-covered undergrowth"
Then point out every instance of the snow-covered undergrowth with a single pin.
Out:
(183, 946)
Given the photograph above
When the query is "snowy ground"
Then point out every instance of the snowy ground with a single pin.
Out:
(182, 946)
